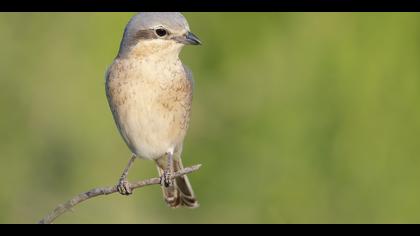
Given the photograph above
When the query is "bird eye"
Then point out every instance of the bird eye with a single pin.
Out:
(161, 32)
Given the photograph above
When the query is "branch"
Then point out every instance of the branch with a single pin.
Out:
(63, 208)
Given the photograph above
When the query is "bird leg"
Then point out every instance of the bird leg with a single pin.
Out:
(166, 178)
(123, 185)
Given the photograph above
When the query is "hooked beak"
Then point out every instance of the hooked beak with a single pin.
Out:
(188, 39)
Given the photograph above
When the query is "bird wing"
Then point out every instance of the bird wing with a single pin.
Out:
(189, 75)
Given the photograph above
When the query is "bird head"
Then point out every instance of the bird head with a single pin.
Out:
(151, 33)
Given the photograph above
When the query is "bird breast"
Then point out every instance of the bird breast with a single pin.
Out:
(151, 104)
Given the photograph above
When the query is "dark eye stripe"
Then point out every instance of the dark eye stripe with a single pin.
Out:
(146, 34)
(140, 35)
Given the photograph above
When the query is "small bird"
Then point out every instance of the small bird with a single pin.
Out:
(150, 92)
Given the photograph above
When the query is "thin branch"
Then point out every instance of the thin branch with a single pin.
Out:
(63, 208)
(127, 168)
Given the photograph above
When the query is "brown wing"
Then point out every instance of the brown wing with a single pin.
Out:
(189, 74)
(190, 90)
(113, 94)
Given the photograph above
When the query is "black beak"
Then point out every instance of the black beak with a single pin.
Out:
(189, 39)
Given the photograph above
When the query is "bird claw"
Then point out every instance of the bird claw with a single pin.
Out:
(124, 187)
(166, 179)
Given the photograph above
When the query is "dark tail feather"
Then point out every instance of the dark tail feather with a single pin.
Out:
(184, 187)
(170, 194)
(181, 193)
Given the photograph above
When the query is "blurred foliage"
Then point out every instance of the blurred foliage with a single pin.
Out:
(297, 118)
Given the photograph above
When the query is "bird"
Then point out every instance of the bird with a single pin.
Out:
(149, 92)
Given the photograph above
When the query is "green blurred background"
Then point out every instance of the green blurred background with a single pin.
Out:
(297, 118)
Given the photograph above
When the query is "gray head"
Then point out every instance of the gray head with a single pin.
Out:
(159, 28)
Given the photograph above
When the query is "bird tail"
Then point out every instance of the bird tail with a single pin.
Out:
(180, 194)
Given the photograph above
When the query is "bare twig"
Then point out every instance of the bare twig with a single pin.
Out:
(127, 168)
(63, 208)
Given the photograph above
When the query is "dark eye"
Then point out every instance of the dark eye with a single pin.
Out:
(161, 32)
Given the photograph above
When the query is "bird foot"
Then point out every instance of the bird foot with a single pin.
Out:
(166, 179)
(124, 187)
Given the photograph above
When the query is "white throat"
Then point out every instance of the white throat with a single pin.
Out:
(156, 49)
